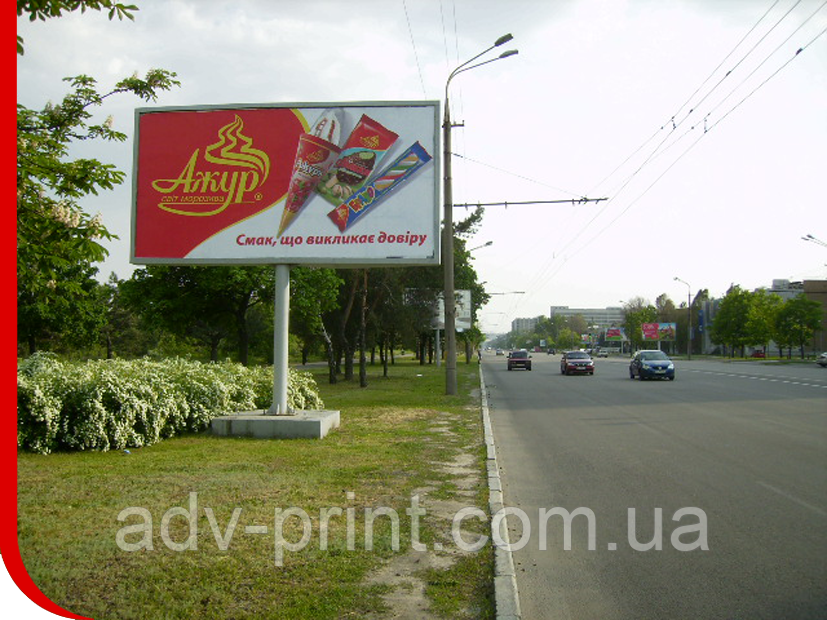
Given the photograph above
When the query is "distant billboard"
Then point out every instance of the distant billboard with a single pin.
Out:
(615, 334)
(326, 184)
(658, 331)
(666, 331)
(463, 317)
(649, 331)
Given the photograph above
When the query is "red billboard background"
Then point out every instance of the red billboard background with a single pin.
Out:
(213, 167)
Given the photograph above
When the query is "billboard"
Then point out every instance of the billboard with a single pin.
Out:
(649, 331)
(615, 334)
(463, 317)
(658, 331)
(325, 184)
(666, 331)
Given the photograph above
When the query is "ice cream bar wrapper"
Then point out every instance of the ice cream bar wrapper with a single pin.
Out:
(397, 173)
(365, 147)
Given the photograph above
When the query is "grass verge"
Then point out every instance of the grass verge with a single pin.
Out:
(400, 437)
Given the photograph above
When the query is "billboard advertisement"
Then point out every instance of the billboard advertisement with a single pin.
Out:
(615, 334)
(650, 331)
(666, 331)
(658, 331)
(325, 184)
(463, 316)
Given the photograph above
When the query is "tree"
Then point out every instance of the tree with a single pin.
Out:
(762, 317)
(57, 242)
(313, 293)
(67, 312)
(730, 325)
(638, 311)
(205, 303)
(577, 324)
(121, 332)
(567, 339)
(798, 320)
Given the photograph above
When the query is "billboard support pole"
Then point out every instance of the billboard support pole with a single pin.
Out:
(280, 326)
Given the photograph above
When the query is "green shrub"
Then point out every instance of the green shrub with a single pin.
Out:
(114, 404)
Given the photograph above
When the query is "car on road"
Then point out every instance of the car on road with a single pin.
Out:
(651, 365)
(498, 352)
(821, 360)
(576, 362)
(519, 359)
(602, 353)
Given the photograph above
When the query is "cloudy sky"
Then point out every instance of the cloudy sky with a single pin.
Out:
(696, 119)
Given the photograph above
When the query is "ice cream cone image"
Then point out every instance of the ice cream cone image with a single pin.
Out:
(315, 154)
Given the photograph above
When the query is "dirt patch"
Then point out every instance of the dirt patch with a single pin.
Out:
(405, 573)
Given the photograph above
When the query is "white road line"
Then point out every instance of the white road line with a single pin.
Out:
(794, 499)
(759, 378)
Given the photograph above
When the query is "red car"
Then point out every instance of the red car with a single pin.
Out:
(574, 362)
(519, 359)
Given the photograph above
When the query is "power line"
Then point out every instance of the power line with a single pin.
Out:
(506, 204)
(413, 44)
(672, 121)
(707, 130)
(514, 174)
(658, 152)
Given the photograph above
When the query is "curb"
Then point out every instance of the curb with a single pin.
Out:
(505, 578)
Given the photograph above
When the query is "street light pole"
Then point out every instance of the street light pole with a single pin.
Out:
(448, 223)
(689, 315)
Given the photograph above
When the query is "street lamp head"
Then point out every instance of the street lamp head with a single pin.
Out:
(509, 53)
(503, 39)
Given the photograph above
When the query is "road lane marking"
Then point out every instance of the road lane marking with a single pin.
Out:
(760, 378)
(794, 499)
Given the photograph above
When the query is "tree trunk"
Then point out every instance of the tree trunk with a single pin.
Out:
(347, 349)
(363, 371)
(331, 356)
(243, 332)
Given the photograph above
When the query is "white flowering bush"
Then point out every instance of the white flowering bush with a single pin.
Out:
(114, 404)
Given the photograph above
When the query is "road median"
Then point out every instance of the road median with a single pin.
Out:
(378, 517)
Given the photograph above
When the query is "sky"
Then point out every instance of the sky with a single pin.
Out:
(696, 120)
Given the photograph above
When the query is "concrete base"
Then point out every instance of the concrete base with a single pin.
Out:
(301, 425)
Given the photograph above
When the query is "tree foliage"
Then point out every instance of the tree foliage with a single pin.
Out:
(797, 320)
(57, 242)
(754, 318)
(638, 311)
(205, 303)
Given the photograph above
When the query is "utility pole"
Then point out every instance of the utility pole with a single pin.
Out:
(448, 222)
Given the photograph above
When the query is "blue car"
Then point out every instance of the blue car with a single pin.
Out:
(652, 365)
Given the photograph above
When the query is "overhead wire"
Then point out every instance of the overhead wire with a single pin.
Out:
(413, 44)
(672, 120)
(659, 150)
(708, 128)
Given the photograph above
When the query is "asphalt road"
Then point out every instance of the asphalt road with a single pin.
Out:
(731, 456)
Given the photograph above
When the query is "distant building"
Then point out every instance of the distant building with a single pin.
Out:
(523, 325)
(785, 289)
(602, 317)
